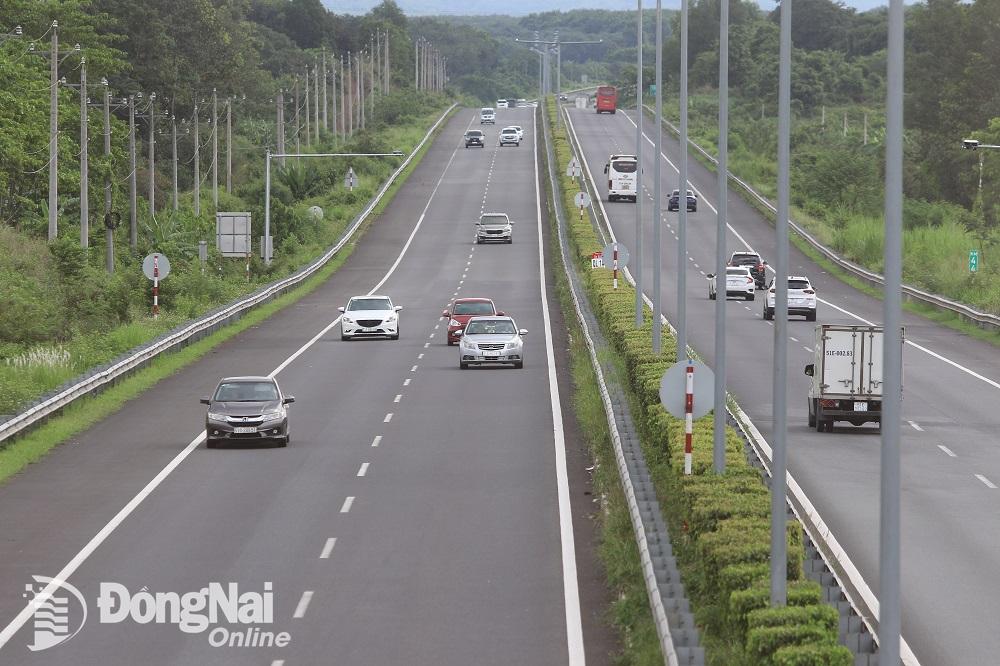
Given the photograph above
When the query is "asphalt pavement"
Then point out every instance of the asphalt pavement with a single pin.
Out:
(421, 513)
(950, 463)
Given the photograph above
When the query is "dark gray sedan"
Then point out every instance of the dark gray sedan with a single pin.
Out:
(247, 409)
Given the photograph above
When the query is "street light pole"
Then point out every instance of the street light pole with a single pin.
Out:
(215, 150)
(133, 213)
(84, 160)
(152, 153)
(197, 162)
(638, 159)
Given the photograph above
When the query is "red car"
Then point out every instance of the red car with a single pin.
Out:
(463, 309)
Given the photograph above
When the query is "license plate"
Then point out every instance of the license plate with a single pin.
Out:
(370, 329)
(241, 430)
(491, 354)
(861, 406)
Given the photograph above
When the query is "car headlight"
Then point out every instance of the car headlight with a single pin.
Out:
(391, 317)
(274, 416)
(454, 322)
(348, 320)
(212, 416)
(468, 344)
(514, 344)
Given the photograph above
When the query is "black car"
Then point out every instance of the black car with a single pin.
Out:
(247, 409)
(757, 266)
(475, 138)
(692, 201)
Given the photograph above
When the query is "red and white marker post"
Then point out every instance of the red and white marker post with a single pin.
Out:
(688, 415)
(156, 286)
(614, 264)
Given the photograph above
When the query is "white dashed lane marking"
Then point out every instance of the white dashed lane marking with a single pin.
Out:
(413, 369)
(915, 426)
(388, 417)
(364, 469)
(300, 609)
(398, 398)
(377, 440)
(406, 382)
(348, 502)
(986, 482)
(328, 548)
(947, 451)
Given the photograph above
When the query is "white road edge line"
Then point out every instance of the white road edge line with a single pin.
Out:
(571, 591)
(328, 548)
(300, 609)
(986, 482)
(28, 611)
(364, 469)
(348, 503)
(947, 451)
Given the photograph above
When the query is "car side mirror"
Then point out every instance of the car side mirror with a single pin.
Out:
(288, 399)
(522, 331)
(763, 263)
(809, 369)
(501, 313)
(340, 309)
(398, 308)
(445, 314)
(605, 168)
(710, 276)
(458, 332)
(510, 221)
(206, 401)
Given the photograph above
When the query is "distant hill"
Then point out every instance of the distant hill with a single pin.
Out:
(480, 7)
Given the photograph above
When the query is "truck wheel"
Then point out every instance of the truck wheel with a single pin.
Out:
(750, 297)
(818, 418)
(811, 316)
(711, 296)
(768, 315)
(812, 414)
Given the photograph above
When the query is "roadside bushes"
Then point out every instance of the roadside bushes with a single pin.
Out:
(720, 525)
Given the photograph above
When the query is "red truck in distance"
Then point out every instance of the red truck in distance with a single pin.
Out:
(607, 99)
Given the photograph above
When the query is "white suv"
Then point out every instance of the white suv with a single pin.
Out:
(495, 227)
(368, 317)
(510, 135)
(487, 116)
(801, 298)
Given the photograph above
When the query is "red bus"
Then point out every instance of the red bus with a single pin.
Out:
(607, 99)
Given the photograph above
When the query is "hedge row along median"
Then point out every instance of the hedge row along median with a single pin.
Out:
(721, 524)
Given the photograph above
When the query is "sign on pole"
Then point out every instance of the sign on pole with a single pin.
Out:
(597, 260)
(687, 391)
(156, 267)
(573, 170)
(232, 233)
(350, 180)
(973, 261)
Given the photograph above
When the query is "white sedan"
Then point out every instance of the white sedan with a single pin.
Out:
(801, 298)
(739, 282)
(370, 317)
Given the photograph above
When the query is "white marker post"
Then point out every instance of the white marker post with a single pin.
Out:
(614, 266)
(156, 286)
(688, 416)
(155, 267)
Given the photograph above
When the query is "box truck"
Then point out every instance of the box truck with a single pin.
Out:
(846, 376)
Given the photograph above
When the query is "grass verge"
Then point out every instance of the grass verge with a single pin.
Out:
(87, 411)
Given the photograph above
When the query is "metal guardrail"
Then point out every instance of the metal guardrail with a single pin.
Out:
(982, 319)
(852, 583)
(99, 379)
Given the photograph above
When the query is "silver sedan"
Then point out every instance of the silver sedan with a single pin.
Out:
(491, 340)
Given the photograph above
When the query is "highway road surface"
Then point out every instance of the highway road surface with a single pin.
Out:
(951, 461)
(420, 515)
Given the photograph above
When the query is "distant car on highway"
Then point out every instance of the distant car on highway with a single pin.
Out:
(475, 138)
(491, 340)
(674, 202)
(494, 227)
(501, 104)
(739, 282)
(510, 135)
(520, 132)
(370, 316)
(752, 260)
(247, 409)
(464, 309)
(801, 298)
(487, 115)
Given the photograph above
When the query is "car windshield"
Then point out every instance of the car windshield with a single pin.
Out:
(474, 133)
(493, 219)
(490, 327)
(246, 392)
(798, 284)
(474, 308)
(624, 166)
(369, 304)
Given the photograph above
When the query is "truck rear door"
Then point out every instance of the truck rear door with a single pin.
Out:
(871, 362)
(841, 373)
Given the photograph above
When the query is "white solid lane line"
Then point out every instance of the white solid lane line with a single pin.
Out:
(364, 469)
(986, 482)
(915, 426)
(571, 591)
(377, 440)
(947, 451)
(300, 609)
(328, 548)
(348, 502)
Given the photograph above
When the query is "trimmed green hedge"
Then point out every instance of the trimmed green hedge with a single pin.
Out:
(720, 524)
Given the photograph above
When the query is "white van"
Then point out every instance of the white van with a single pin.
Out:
(487, 116)
(623, 177)
(501, 104)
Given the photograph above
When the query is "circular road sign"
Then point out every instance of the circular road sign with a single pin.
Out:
(609, 254)
(673, 389)
(581, 200)
(316, 212)
(161, 263)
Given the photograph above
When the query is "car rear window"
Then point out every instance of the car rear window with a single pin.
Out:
(737, 270)
(798, 284)
(368, 304)
(627, 166)
(474, 308)
(246, 392)
(743, 259)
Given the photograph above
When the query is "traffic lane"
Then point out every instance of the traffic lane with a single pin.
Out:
(78, 487)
